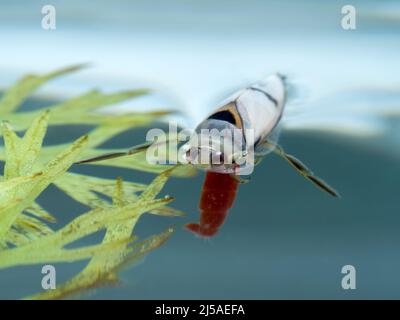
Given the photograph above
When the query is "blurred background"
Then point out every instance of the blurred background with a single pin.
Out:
(283, 238)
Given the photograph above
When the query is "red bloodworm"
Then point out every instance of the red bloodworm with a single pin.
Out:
(218, 195)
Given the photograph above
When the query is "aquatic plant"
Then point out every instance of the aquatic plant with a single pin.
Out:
(26, 234)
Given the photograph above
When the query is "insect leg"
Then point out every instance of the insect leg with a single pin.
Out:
(241, 179)
(302, 169)
(134, 150)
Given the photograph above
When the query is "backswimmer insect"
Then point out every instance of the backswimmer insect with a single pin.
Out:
(234, 138)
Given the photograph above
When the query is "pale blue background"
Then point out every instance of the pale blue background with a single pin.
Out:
(283, 238)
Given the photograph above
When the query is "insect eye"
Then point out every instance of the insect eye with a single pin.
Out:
(191, 154)
(221, 158)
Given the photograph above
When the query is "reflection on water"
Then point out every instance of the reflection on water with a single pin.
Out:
(217, 197)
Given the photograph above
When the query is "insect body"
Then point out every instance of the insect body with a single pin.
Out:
(230, 142)
(232, 138)
(253, 114)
